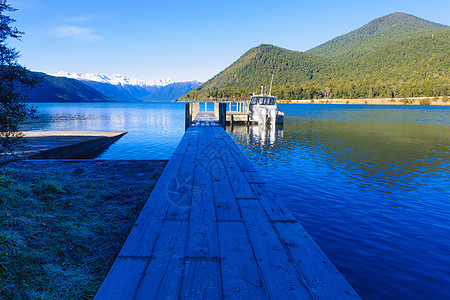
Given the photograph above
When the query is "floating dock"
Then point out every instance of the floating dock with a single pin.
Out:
(212, 229)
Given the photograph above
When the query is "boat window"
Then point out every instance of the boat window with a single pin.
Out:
(254, 100)
(262, 101)
(271, 101)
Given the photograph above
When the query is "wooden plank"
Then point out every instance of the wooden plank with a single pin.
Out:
(180, 193)
(254, 177)
(184, 142)
(224, 201)
(163, 275)
(239, 183)
(244, 163)
(203, 240)
(201, 280)
(182, 146)
(280, 277)
(123, 279)
(143, 235)
(321, 276)
(240, 273)
(274, 208)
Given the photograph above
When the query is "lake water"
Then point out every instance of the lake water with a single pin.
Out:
(154, 129)
(371, 184)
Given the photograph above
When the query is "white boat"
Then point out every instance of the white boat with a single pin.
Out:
(263, 109)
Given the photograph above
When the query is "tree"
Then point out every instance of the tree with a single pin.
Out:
(16, 83)
(327, 92)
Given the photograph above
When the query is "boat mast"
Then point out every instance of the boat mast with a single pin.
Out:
(270, 91)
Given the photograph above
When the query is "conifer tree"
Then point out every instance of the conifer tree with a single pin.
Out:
(16, 83)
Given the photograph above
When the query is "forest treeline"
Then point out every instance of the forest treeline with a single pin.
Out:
(415, 66)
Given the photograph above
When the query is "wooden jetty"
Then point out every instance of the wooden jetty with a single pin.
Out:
(212, 229)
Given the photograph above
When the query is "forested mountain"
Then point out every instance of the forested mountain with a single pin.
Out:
(257, 65)
(60, 89)
(404, 64)
(376, 34)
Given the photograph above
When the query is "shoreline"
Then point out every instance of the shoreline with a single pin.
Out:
(440, 101)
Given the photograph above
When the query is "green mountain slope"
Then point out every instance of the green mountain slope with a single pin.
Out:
(413, 58)
(412, 67)
(255, 68)
(417, 66)
(376, 34)
(61, 89)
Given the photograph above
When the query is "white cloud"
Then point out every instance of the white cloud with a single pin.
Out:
(82, 34)
(90, 17)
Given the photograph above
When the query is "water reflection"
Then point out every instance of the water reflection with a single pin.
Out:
(371, 185)
(154, 129)
(258, 135)
(390, 153)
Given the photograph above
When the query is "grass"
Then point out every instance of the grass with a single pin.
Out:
(425, 102)
(63, 224)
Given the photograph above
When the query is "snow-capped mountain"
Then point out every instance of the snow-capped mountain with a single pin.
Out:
(121, 88)
(116, 79)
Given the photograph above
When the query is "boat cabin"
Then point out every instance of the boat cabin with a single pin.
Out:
(262, 100)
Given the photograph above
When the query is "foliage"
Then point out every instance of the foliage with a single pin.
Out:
(15, 84)
(377, 34)
(413, 67)
(407, 101)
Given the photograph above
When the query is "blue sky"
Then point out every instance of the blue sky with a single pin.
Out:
(185, 40)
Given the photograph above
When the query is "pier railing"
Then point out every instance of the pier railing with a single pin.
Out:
(238, 107)
(193, 109)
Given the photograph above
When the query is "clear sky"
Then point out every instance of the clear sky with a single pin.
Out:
(182, 39)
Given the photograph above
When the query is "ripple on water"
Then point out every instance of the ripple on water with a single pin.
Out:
(368, 184)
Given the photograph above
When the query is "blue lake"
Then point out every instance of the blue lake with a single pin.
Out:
(371, 184)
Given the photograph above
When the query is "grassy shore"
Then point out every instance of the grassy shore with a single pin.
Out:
(62, 224)
(379, 101)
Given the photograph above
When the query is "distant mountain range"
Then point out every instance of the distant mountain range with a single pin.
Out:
(60, 89)
(116, 79)
(83, 87)
(398, 55)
